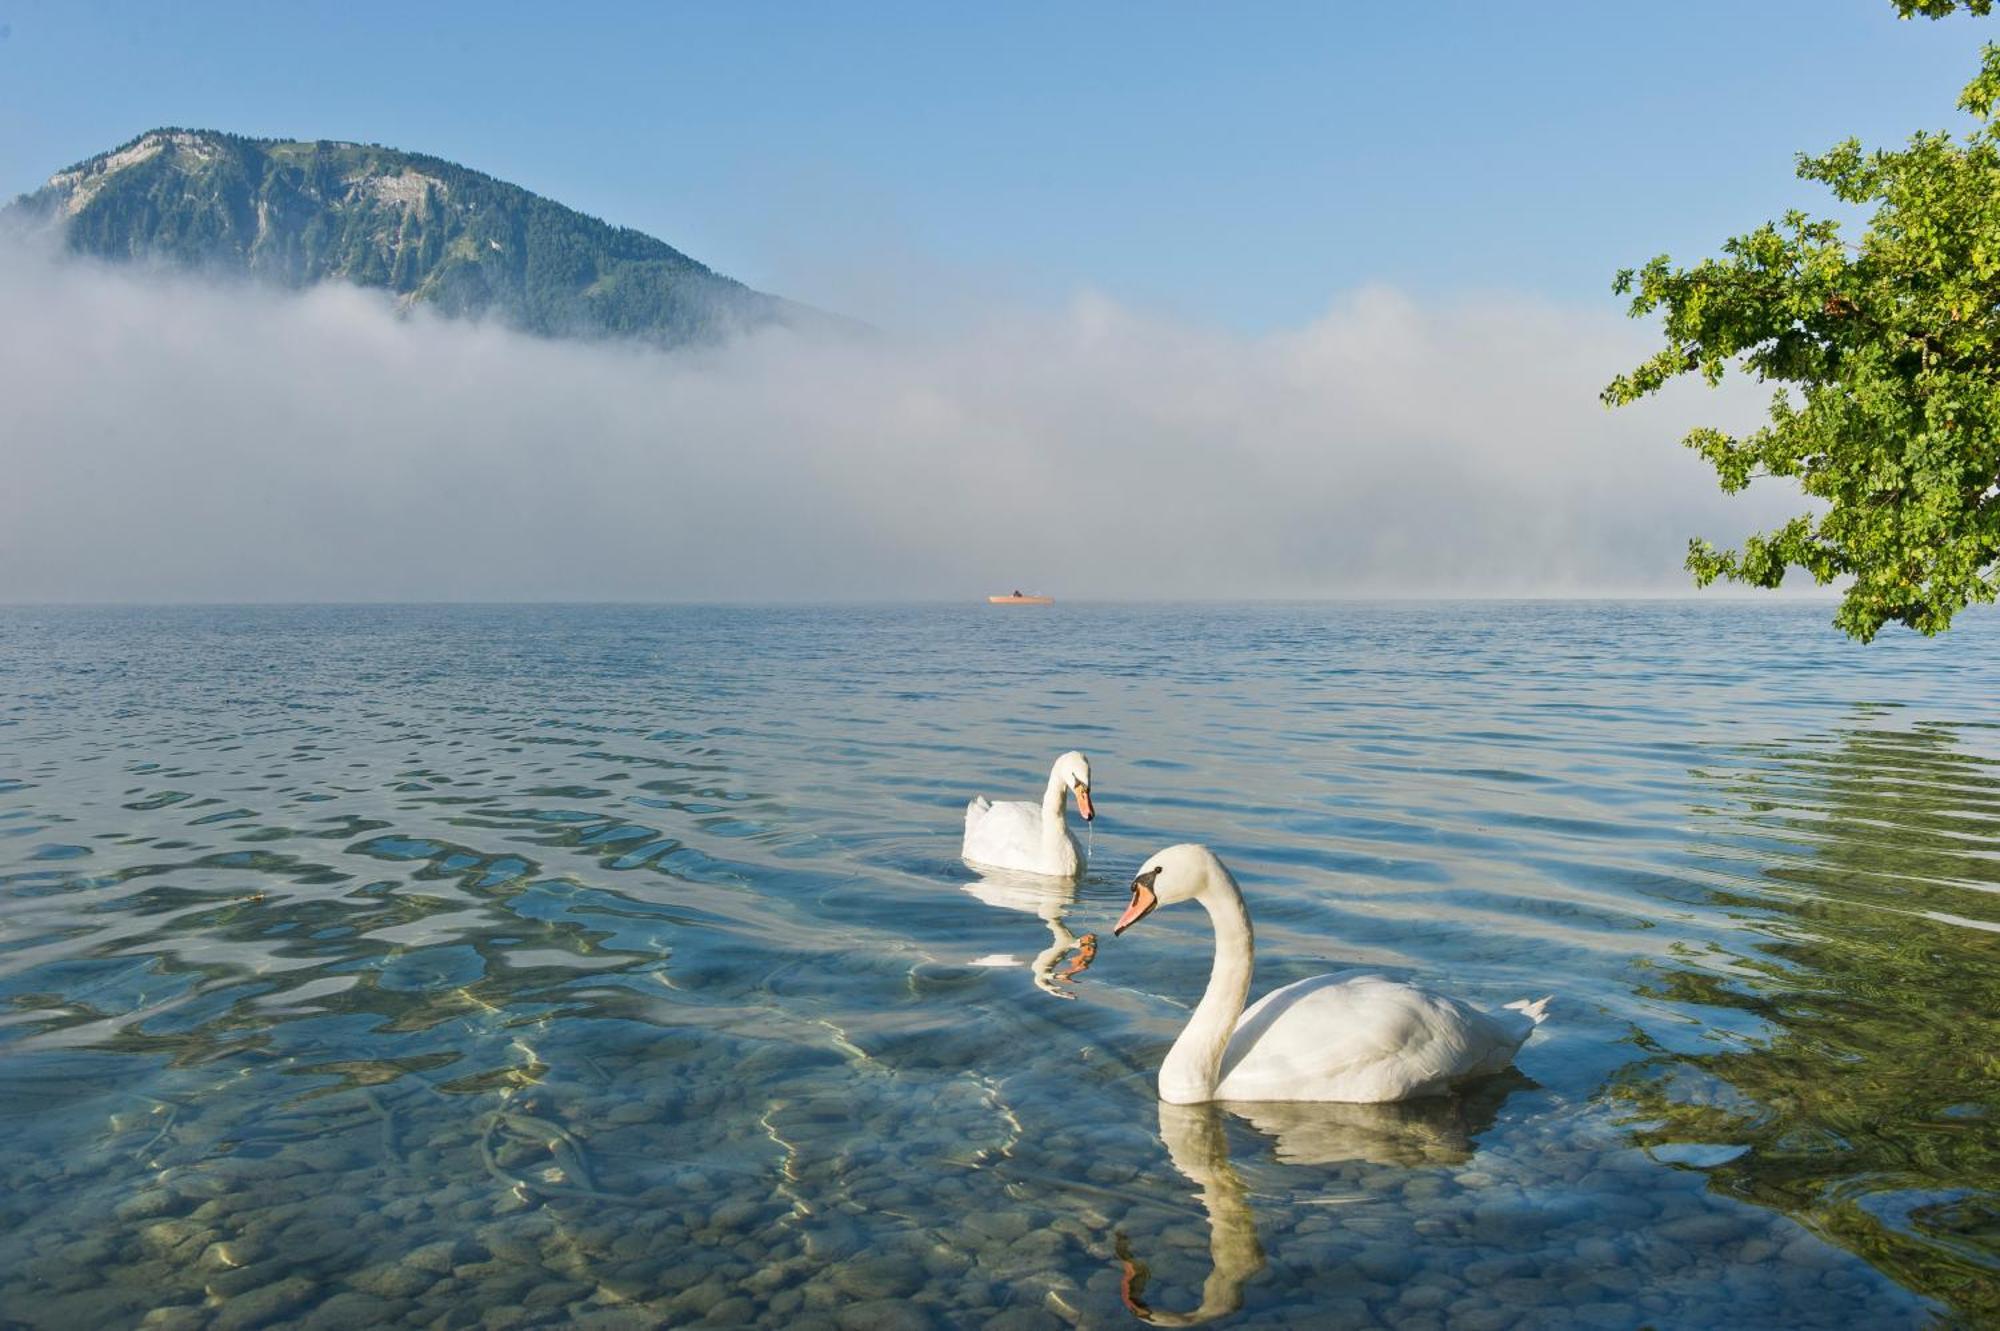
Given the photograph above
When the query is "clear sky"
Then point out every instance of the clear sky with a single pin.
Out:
(1231, 165)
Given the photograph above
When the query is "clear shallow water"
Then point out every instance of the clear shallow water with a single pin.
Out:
(614, 967)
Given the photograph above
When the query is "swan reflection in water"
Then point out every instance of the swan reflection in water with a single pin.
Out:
(1435, 1131)
(1051, 899)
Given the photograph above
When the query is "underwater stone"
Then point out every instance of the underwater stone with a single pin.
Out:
(442, 1256)
(1038, 1245)
(1596, 1251)
(392, 1280)
(351, 1310)
(701, 1297)
(1024, 1319)
(254, 1245)
(879, 1277)
(150, 1205)
(1527, 1291)
(176, 1240)
(616, 1319)
(555, 1294)
(233, 1281)
(941, 1261)
(809, 1322)
(1386, 1262)
(1424, 1296)
(512, 1244)
(883, 1315)
(1005, 1226)
(630, 1247)
(737, 1311)
(456, 1316)
(733, 1215)
(833, 1240)
(264, 1304)
(1701, 1229)
(1486, 1270)
(1480, 1317)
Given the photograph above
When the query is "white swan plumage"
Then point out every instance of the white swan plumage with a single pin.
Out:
(1347, 1036)
(1031, 838)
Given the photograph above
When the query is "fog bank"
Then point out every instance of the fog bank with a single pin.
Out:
(168, 439)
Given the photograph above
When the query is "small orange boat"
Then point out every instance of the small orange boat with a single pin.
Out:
(1020, 598)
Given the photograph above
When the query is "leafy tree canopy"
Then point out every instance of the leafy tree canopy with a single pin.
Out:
(1887, 357)
(1939, 8)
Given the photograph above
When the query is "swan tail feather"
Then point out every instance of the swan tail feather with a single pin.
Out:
(1536, 1010)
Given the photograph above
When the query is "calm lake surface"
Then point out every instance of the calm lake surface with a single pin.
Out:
(615, 967)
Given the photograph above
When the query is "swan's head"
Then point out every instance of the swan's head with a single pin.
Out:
(1072, 772)
(1178, 873)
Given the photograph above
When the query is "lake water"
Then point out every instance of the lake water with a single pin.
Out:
(615, 967)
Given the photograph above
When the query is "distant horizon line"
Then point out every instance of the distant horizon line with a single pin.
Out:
(1815, 597)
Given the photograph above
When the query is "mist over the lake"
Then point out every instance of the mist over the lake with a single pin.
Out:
(169, 437)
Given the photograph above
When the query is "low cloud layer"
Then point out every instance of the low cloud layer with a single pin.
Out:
(168, 439)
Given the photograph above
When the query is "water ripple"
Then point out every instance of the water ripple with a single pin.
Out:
(545, 965)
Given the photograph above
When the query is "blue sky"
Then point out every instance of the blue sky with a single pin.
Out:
(1231, 165)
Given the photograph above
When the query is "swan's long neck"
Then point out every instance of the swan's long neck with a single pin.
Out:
(1194, 1064)
(1055, 827)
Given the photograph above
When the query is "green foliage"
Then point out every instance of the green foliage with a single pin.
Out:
(428, 230)
(1939, 8)
(1887, 352)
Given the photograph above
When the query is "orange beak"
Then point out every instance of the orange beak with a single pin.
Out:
(1083, 803)
(1143, 902)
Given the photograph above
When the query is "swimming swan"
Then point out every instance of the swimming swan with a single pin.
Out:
(1354, 1037)
(1026, 838)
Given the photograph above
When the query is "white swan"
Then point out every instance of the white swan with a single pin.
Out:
(1353, 1037)
(1028, 838)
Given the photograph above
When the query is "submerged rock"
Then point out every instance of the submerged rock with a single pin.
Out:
(265, 1304)
(879, 1277)
(883, 1315)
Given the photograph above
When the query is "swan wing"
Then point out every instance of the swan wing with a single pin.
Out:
(1361, 1038)
(1008, 835)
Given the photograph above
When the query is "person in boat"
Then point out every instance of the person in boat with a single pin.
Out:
(1017, 593)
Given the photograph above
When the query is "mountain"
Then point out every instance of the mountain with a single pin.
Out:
(431, 231)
